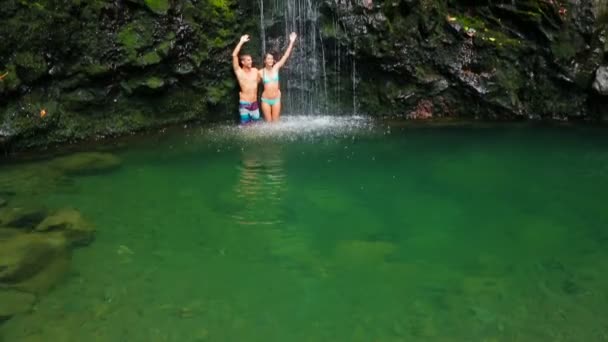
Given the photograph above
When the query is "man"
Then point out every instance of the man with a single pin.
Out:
(248, 78)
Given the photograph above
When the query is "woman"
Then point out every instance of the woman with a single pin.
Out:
(271, 96)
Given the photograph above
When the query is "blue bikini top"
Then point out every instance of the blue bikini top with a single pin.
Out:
(268, 80)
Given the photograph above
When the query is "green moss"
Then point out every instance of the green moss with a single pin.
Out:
(328, 29)
(133, 37)
(486, 33)
(154, 82)
(35, 5)
(164, 47)
(424, 72)
(198, 57)
(564, 47)
(217, 92)
(30, 66)
(149, 58)
(11, 81)
(78, 97)
(158, 6)
(220, 4)
(96, 69)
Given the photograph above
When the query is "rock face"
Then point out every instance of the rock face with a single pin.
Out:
(97, 68)
(601, 81)
(497, 59)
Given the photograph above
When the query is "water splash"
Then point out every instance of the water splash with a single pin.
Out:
(293, 128)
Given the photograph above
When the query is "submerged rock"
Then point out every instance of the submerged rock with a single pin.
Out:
(13, 302)
(86, 162)
(6, 233)
(27, 217)
(71, 224)
(48, 277)
(24, 255)
(363, 252)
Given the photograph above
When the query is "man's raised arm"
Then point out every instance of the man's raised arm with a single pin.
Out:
(235, 53)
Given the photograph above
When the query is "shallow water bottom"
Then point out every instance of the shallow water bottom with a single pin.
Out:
(338, 230)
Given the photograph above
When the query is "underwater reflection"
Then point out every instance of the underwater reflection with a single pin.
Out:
(261, 187)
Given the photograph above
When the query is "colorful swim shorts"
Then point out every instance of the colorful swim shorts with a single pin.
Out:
(249, 111)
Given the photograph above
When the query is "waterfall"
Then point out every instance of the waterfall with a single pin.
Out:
(311, 83)
(303, 78)
(262, 27)
(354, 80)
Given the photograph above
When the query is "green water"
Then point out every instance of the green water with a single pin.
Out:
(355, 233)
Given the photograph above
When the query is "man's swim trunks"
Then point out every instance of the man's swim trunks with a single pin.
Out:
(249, 111)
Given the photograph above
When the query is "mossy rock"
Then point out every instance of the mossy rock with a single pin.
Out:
(158, 6)
(96, 69)
(565, 47)
(11, 81)
(23, 118)
(154, 83)
(144, 84)
(363, 252)
(137, 37)
(22, 217)
(48, 277)
(13, 302)
(24, 255)
(217, 92)
(30, 66)
(149, 58)
(86, 162)
(79, 98)
(77, 230)
(8, 233)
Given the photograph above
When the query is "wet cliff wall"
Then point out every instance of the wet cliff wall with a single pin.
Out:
(515, 59)
(74, 69)
(77, 69)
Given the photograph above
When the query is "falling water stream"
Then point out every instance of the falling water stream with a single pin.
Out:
(305, 76)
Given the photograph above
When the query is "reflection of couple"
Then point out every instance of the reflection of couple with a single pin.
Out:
(249, 78)
(261, 186)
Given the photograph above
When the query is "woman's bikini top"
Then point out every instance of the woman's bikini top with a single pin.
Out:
(268, 80)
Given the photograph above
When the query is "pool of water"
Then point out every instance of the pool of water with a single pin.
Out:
(337, 229)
